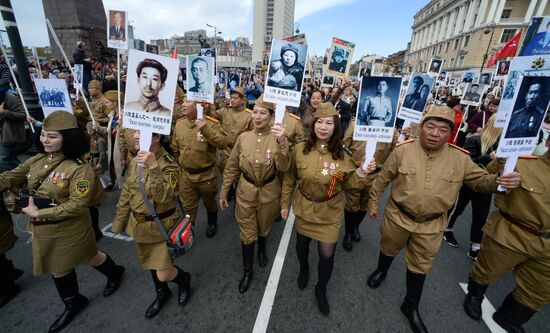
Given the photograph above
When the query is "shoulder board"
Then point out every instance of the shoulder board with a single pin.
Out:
(404, 142)
(530, 157)
(461, 149)
(79, 161)
(293, 115)
(169, 158)
(348, 151)
(248, 110)
(181, 118)
(216, 120)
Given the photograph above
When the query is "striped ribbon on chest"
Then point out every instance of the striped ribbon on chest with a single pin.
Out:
(336, 177)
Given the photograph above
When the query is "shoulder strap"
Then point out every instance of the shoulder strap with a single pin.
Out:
(404, 142)
(459, 148)
(150, 206)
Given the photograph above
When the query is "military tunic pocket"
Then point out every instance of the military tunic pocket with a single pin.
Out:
(531, 188)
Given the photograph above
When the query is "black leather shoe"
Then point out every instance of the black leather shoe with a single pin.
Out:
(376, 278)
(163, 295)
(73, 306)
(114, 283)
(262, 255)
(8, 292)
(245, 281)
(512, 315)
(355, 234)
(411, 311)
(347, 244)
(322, 302)
(183, 280)
(17, 273)
(303, 278)
(211, 230)
(473, 300)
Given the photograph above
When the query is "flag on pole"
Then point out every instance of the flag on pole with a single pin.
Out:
(174, 53)
(235, 52)
(508, 50)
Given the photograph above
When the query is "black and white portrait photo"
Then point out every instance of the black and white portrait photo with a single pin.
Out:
(530, 107)
(469, 77)
(286, 66)
(435, 66)
(338, 60)
(502, 68)
(200, 78)
(151, 48)
(486, 78)
(378, 101)
(233, 81)
(150, 89)
(418, 91)
(53, 95)
(472, 94)
(339, 57)
(328, 81)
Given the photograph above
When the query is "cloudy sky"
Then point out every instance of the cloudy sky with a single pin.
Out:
(380, 27)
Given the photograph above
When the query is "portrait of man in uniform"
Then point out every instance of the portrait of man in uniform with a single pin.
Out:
(435, 66)
(200, 72)
(468, 77)
(529, 109)
(472, 94)
(338, 60)
(485, 78)
(377, 110)
(413, 92)
(151, 78)
(117, 30)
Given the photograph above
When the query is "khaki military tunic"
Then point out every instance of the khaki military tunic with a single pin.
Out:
(294, 131)
(254, 162)
(161, 186)
(126, 144)
(425, 185)
(68, 240)
(234, 122)
(196, 153)
(318, 206)
(7, 237)
(357, 200)
(507, 247)
(99, 110)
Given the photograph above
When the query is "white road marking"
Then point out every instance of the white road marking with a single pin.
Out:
(107, 233)
(271, 289)
(487, 309)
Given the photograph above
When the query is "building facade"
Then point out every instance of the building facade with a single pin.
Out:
(272, 19)
(465, 33)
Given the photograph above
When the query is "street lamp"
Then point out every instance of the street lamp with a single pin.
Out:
(489, 29)
(216, 33)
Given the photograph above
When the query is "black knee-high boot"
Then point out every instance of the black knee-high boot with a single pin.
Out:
(67, 287)
(324, 268)
(347, 244)
(248, 264)
(114, 274)
(302, 251)
(94, 214)
(415, 284)
(512, 315)
(212, 228)
(163, 295)
(183, 280)
(8, 288)
(384, 263)
(262, 254)
(357, 219)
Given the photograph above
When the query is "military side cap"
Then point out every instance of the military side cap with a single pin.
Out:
(112, 95)
(59, 120)
(94, 84)
(238, 90)
(325, 110)
(441, 112)
(261, 103)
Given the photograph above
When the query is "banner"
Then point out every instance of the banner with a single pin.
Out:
(53, 95)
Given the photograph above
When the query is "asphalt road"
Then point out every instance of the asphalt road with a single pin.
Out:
(217, 306)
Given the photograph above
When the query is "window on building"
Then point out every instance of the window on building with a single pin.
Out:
(447, 46)
(452, 64)
(456, 44)
(507, 34)
(439, 48)
(466, 40)
(461, 61)
(506, 13)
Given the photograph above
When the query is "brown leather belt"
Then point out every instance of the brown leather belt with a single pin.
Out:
(415, 218)
(141, 218)
(316, 199)
(264, 183)
(198, 171)
(43, 222)
(523, 227)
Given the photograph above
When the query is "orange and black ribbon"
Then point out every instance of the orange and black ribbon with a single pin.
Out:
(335, 177)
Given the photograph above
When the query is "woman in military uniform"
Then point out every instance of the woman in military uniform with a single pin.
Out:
(322, 170)
(8, 288)
(254, 161)
(62, 234)
(160, 176)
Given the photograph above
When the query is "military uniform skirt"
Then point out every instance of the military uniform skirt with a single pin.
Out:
(62, 246)
(154, 255)
(319, 230)
(7, 237)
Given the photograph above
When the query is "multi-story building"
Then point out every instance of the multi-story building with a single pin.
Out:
(465, 33)
(272, 19)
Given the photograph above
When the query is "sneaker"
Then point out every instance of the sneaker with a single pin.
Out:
(450, 238)
(472, 254)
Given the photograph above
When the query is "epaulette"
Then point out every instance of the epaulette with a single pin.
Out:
(348, 150)
(248, 110)
(404, 142)
(169, 158)
(293, 115)
(461, 149)
(79, 161)
(216, 120)
(531, 157)
(181, 118)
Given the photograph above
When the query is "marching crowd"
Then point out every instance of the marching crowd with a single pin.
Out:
(309, 162)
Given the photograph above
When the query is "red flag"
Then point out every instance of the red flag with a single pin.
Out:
(175, 53)
(508, 50)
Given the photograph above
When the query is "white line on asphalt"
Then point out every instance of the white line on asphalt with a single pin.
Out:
(271, 289)
(107, 233)
(487, 309)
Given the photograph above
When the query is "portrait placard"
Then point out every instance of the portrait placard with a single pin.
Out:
(53, 95)
(472, 94)
(418, 91)
(469, 77)
(117, 26)
(365, 69)
(211, 52)
(502, 69)
(200, 78)
(537, 38)
(530, 105)
(298, 38)
(327, 81)
(78, 75)
(435, 66)
(285, 76)
(151, 48)
(519, 66)
(486, 79)
(340, 57)
(377, 108)
(233, 81)
(150, 91)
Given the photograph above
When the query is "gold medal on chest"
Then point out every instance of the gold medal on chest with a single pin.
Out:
(200, 137)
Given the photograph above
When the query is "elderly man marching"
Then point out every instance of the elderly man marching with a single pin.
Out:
(427, 175)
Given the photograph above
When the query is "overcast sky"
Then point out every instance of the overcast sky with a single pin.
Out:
(380, 27)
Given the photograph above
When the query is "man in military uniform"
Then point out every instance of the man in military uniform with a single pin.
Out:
(8, 288)
(517, 240)
(378, 109)
(525, 122)
(194, 142)
(414, 94)
(151, 78)
(97, 104)
(427, 175)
